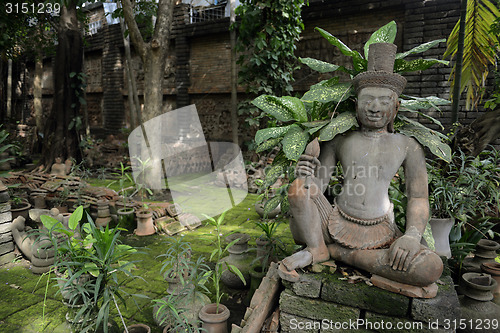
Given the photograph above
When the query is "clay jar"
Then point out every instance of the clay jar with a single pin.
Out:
(126, 218)
(21, 209)
(259, 208)
(239, 258)
(145, 226)
(213, 321)
(493, 268)
(476, 305)
(478, 286)
(103, 214)
(484, 252)
(138, 328)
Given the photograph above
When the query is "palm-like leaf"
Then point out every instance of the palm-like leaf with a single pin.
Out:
(478, 53)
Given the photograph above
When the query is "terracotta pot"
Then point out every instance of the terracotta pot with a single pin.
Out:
(493, 268)
(259, 208)
(145, 225)
(103, 214)
(190, 306)
(441, 232)
(257, 273)
(475, 304)
(484, 252)
(138, 328)
(213, 321)
(21, 209)
(126, 218)
(237, 257)
(478, 286)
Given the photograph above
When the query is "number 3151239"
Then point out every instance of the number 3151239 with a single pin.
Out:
(32, 8)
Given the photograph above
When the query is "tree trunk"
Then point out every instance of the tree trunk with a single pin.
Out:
(474, 138)
(153, 54)
(37, 93)
(234, 75)
(59, 139)
(154, 68)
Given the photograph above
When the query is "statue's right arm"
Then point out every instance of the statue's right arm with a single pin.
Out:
(328, 163)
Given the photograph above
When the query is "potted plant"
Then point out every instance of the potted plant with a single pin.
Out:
(444, 203)
(178, 311)
(214, 316)
(60, 200)
(19, 206)
(88, 262)
(126, 213)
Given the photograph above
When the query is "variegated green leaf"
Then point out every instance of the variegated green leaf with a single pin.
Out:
(429, 140)
(419, 125)
(315, 123)
(274, 173)
(271, 204)
(269, 144)
(340, 124)
(338, 93)
(359, 63)
(294, 143)
(285, 204)
(282, 108)
(386, 34)
(330, 83)
(273, 107)
(421, 48)
(401, 65)
(270, 133)
(318, 65)
(418, 103)
(336, 42)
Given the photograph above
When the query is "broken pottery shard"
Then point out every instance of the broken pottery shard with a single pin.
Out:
(429, 291)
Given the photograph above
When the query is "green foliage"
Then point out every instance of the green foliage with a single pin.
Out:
(88, 260)
(276, 249)
(267, 34)
(4, 146)
(328, 108)
(123, 178)
(218, 253)
(192, 275)
(479, 48)
(25, 27)
(468, 190)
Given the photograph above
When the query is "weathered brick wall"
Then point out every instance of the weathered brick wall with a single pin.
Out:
(112, 74)
(198, 64)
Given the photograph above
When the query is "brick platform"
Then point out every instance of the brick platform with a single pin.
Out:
(6, 241)
(321, 302)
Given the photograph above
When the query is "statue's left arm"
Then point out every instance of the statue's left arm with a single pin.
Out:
(404, 249)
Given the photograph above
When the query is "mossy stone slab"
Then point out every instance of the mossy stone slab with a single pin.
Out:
(362, 296)
(316, 308)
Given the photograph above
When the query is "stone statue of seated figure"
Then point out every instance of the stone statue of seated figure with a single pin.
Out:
(359, 228)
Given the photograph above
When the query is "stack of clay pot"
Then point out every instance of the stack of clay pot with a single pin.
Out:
(476, 305)
(103, 213)
(485, 252)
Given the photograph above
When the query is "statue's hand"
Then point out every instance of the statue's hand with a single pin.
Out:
(306, 166)
(402, 252)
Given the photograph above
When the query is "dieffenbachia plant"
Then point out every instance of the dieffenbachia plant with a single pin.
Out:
(328, 109)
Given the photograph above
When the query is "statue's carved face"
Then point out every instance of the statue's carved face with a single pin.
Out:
(376, 107)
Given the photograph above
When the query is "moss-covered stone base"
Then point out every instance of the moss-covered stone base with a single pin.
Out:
(324, 302)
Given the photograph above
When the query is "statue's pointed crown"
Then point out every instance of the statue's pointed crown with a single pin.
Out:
(380, 73)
